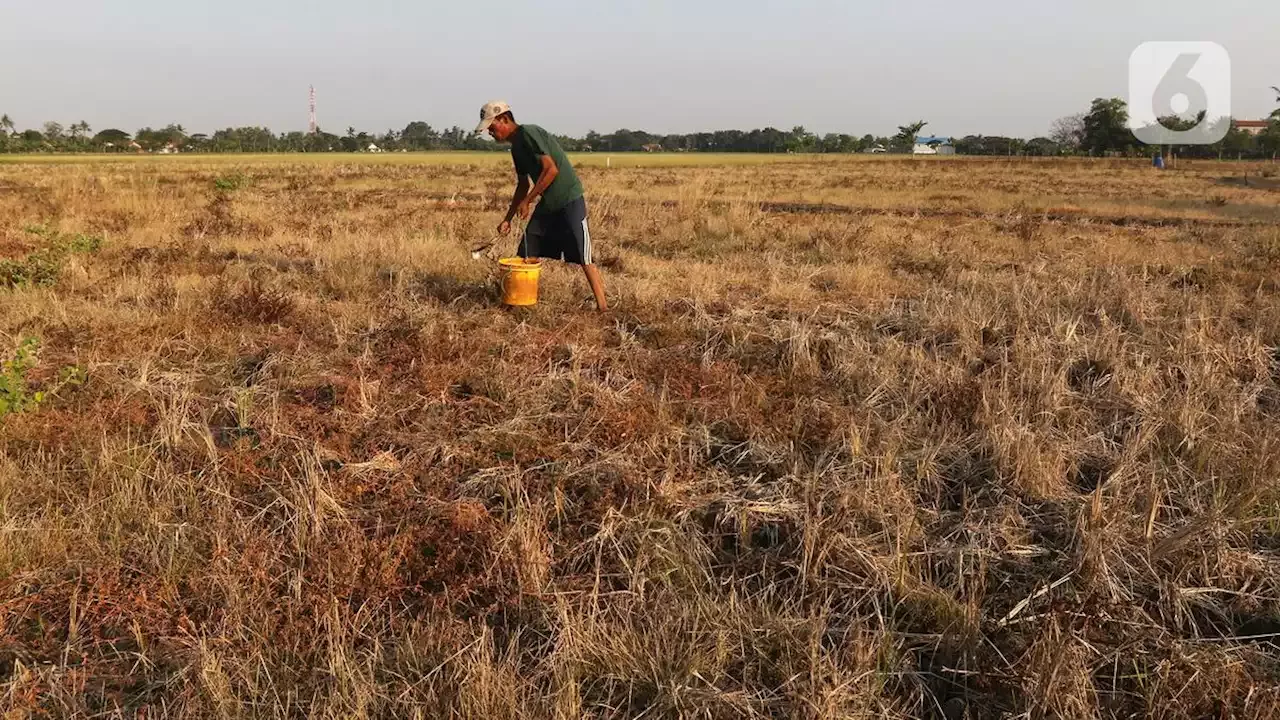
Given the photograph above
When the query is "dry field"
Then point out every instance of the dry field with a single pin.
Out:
(859, 438)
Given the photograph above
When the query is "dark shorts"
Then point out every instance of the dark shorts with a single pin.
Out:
(559, 235)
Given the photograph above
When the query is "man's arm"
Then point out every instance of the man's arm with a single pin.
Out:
(522, 191)
(545, 178)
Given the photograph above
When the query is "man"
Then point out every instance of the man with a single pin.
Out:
(557, 229)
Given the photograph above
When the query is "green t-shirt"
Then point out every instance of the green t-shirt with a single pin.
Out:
(527, 146)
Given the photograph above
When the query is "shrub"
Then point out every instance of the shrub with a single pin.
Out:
(15, 394)
(42, 267)
(229, 183)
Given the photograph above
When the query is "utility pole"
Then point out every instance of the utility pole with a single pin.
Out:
(313, 126)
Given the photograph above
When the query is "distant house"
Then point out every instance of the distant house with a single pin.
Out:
(876, 149)
(373, 148)
(651, 147)
(930, 145)
(1253, 127)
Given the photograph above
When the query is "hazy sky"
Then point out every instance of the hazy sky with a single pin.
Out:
(985, 66)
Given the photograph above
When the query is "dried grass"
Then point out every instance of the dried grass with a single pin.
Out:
(859, 439)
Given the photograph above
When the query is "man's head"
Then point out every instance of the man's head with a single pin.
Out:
(496, 117)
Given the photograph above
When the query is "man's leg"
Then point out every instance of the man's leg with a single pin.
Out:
(576, 219)
(597, 286)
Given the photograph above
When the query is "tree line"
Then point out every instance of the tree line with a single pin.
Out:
(1104, 130)
(1100, 131)
(416, 136)
(79, 137)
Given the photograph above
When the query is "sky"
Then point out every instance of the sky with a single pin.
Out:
(992, 67)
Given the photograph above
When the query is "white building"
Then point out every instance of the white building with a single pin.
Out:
(931, 145)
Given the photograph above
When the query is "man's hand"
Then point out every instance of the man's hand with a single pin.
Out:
(524, 209)
(504, 228)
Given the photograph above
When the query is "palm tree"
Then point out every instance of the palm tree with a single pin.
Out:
(906, 136)
(1276, 113)
(6, 124)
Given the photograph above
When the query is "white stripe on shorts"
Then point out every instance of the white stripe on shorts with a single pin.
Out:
(586, 243)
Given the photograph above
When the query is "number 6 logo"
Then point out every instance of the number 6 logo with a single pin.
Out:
(1179, 93)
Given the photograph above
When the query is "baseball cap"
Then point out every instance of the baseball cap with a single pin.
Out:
(490, 112)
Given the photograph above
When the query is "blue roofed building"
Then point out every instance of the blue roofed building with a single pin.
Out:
(932, 145)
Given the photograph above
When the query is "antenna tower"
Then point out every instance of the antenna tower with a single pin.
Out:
(313, 127)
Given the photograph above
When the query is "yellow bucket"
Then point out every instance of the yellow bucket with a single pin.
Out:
(520, 281)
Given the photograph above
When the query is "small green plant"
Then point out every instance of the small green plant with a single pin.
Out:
(80, 244)
(38, 268)
(15, 394)
(229, 183)
(42, 267)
